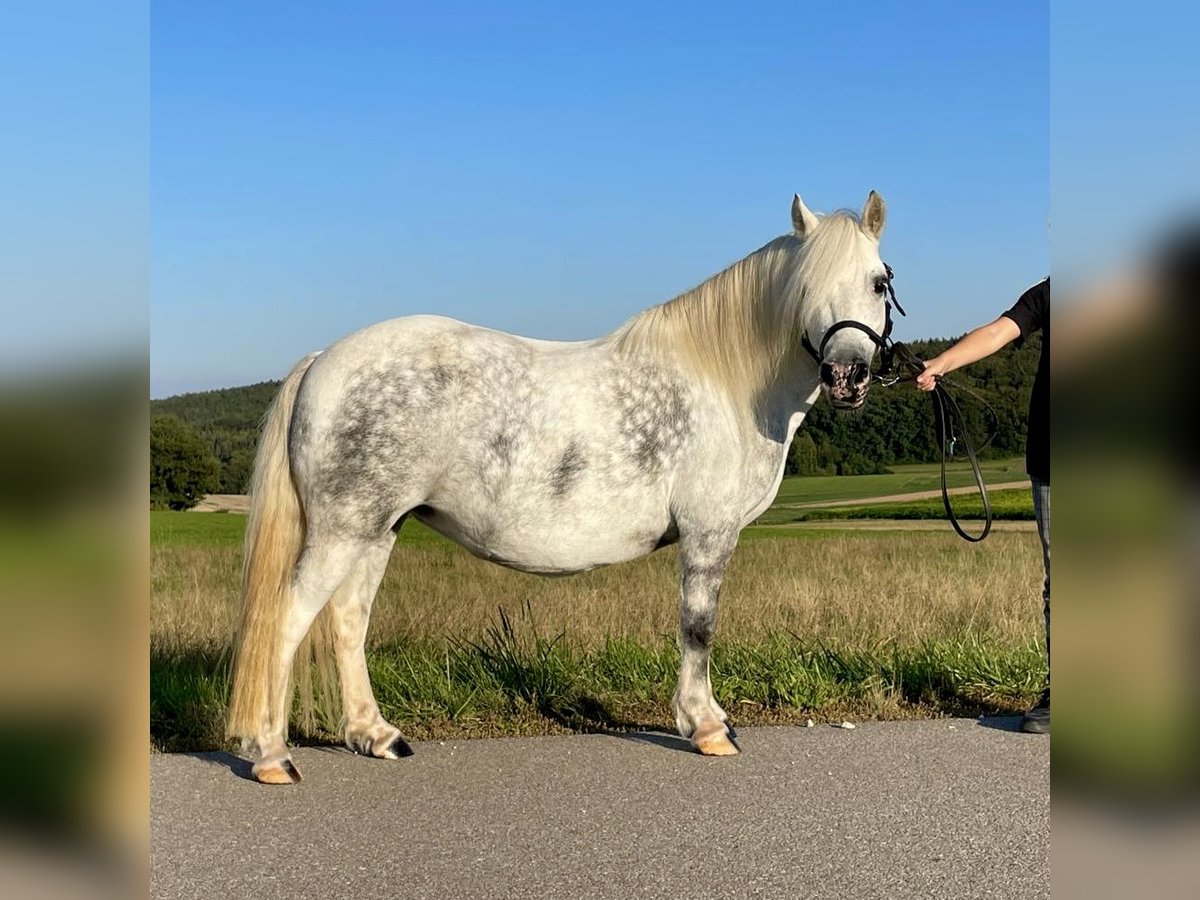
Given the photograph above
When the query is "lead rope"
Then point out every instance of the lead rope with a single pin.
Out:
(895, 357)
(945, 410)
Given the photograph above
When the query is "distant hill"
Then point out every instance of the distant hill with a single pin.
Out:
(895, 425)
(229, 419)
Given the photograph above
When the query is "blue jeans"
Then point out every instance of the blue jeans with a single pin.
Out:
(1041, 510)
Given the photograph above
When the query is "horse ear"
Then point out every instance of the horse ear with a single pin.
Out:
(873, 215)
(803, 221)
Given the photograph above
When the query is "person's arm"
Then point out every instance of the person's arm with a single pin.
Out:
(983, 341)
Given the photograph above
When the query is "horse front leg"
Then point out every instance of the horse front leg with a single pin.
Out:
(702, 562)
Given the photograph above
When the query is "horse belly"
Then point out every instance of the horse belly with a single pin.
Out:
(533, 538)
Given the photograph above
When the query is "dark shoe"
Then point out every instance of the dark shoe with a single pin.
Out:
(1037, 720)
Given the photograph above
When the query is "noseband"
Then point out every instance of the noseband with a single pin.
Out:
(882, 341)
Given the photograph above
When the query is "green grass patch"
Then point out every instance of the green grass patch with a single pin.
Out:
(193, 529)
(515, 680)
(206, 529)
(903, 479)
(1011, 505)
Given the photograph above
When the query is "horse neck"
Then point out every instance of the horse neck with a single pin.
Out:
(780, 379)
(790, 393)
(729, 330)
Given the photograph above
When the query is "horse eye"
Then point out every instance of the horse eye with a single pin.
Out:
(880, 285)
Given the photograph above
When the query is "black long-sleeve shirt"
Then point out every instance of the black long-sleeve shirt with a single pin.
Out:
(1031, 313)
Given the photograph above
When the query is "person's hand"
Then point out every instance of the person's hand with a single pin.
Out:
(934, 369)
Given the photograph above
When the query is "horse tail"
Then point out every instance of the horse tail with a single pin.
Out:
(275, 532)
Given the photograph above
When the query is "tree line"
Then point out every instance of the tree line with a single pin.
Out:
(204, 442)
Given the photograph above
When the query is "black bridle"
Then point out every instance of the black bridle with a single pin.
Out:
(883, 342)
(896, 364)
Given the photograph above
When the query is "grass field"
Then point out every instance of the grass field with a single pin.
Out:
(902, 480)
(821, 623)
(1013, 504)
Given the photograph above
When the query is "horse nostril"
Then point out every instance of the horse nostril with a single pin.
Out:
(860, 374)
(827, 374)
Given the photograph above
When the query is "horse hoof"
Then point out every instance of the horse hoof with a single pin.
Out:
(284, 772)
(714, 740)
(400, 748)
(366, 745)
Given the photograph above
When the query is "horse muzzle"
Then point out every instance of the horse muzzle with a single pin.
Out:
(846, 383)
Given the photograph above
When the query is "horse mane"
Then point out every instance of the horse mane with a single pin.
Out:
(736, 328)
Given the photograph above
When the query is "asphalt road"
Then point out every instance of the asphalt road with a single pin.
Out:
(948, 808)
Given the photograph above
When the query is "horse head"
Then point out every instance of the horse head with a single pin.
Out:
(845, 290)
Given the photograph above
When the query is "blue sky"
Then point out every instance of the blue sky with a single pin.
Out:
(550, 171)
(74, 190)
(1125, 136)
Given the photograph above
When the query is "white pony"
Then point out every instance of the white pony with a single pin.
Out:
(547, 457)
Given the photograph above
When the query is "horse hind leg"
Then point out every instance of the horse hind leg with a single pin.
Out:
(364, 729)
(323, 566)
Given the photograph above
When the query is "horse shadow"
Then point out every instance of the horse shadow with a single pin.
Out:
(658, 737)
(589, 715)
(235, 764)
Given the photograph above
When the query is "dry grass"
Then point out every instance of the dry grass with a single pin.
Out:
(852, 590)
